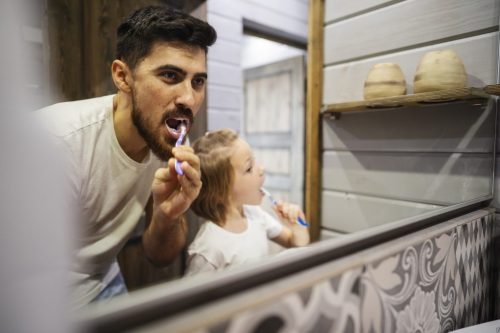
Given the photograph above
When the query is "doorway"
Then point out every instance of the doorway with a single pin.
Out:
(273, 120)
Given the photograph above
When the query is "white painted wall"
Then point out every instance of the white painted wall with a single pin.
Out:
(225, 84)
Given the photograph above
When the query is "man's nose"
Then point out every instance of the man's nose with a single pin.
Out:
(185, 96)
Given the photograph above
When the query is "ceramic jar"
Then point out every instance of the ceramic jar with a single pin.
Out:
(384, 80)
(439, 70)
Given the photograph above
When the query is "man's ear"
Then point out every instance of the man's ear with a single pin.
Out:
(122, 75)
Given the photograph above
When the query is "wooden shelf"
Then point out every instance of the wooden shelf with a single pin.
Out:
(493, 89)
(422, 99)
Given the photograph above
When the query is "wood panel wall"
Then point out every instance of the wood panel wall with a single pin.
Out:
(386, 165)
(82, 39)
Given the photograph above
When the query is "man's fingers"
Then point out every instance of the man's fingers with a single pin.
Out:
(162, 175)
(186, 154)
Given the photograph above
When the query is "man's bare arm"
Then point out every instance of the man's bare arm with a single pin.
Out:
(162, 243)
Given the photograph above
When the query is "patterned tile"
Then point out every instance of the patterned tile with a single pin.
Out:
(473, 275)
(411, 290)
(329, 306)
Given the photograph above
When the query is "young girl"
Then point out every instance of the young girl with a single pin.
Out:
(236, 228)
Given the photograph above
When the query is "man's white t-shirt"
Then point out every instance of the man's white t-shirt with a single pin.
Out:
(110, 188)
(215, 248)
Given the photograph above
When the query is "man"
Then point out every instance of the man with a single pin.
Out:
(118, 146)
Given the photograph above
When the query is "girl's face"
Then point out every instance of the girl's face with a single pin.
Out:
(248, 175)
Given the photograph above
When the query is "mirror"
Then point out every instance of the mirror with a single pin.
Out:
(378, 166)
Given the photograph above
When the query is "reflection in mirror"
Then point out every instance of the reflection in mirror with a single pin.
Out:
(384, 165)
(377, 166)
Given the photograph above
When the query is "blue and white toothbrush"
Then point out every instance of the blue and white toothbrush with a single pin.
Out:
(274, 202)
(177, 144)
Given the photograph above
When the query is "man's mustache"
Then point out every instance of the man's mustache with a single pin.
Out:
(179, 112)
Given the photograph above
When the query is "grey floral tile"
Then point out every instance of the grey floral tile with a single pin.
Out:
(411, 291)
(329, 306)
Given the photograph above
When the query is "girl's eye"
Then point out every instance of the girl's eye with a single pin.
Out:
(250, 169)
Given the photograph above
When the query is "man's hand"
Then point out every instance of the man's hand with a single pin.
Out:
(173, 193)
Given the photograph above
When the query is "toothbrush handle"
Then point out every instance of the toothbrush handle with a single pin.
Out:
(302, 222)
(178, 168)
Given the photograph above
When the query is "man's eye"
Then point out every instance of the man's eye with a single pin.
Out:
(171, 76)
(199, 82)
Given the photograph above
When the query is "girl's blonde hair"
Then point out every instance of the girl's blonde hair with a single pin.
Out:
(217, 174)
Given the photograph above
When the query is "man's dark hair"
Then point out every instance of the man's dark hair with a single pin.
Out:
(137, 34)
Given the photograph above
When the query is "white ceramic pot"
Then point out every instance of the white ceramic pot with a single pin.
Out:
(384, 80)
(439, 70)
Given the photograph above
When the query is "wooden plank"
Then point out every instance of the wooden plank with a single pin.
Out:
(221, 97)
(293, 9)
(227, 28)
(225, 51)
(218, 119)
(343, 83)
(313, 106)
(221, 73)
(417, 22)
(227, 8)
(476, 95)
(274, 19)
(416, 129)
(437, 178)
(336, 10)
(64, 22)
(349, 213)
(493, 89)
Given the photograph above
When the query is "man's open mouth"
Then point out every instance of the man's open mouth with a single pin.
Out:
(174, 125)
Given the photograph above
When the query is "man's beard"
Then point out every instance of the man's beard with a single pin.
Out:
(153, 142)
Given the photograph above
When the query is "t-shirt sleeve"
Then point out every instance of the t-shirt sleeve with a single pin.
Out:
(273, 226)
(197, 263)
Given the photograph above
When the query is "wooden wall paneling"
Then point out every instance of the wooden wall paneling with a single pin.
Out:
(230, 29)
(82, 45)
(438, 178)
(228, 8)
(99, 40)
(313, 106)
(273, 19)
(220, 97)
(344, 82)
(225, 74)
(340, 9)
(417, 129)
(226, 50)
(417, 22)
(224, 119)
(64, 24)
(293, 9)
(348, 213)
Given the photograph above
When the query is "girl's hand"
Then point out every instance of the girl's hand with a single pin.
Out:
(289, 212)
